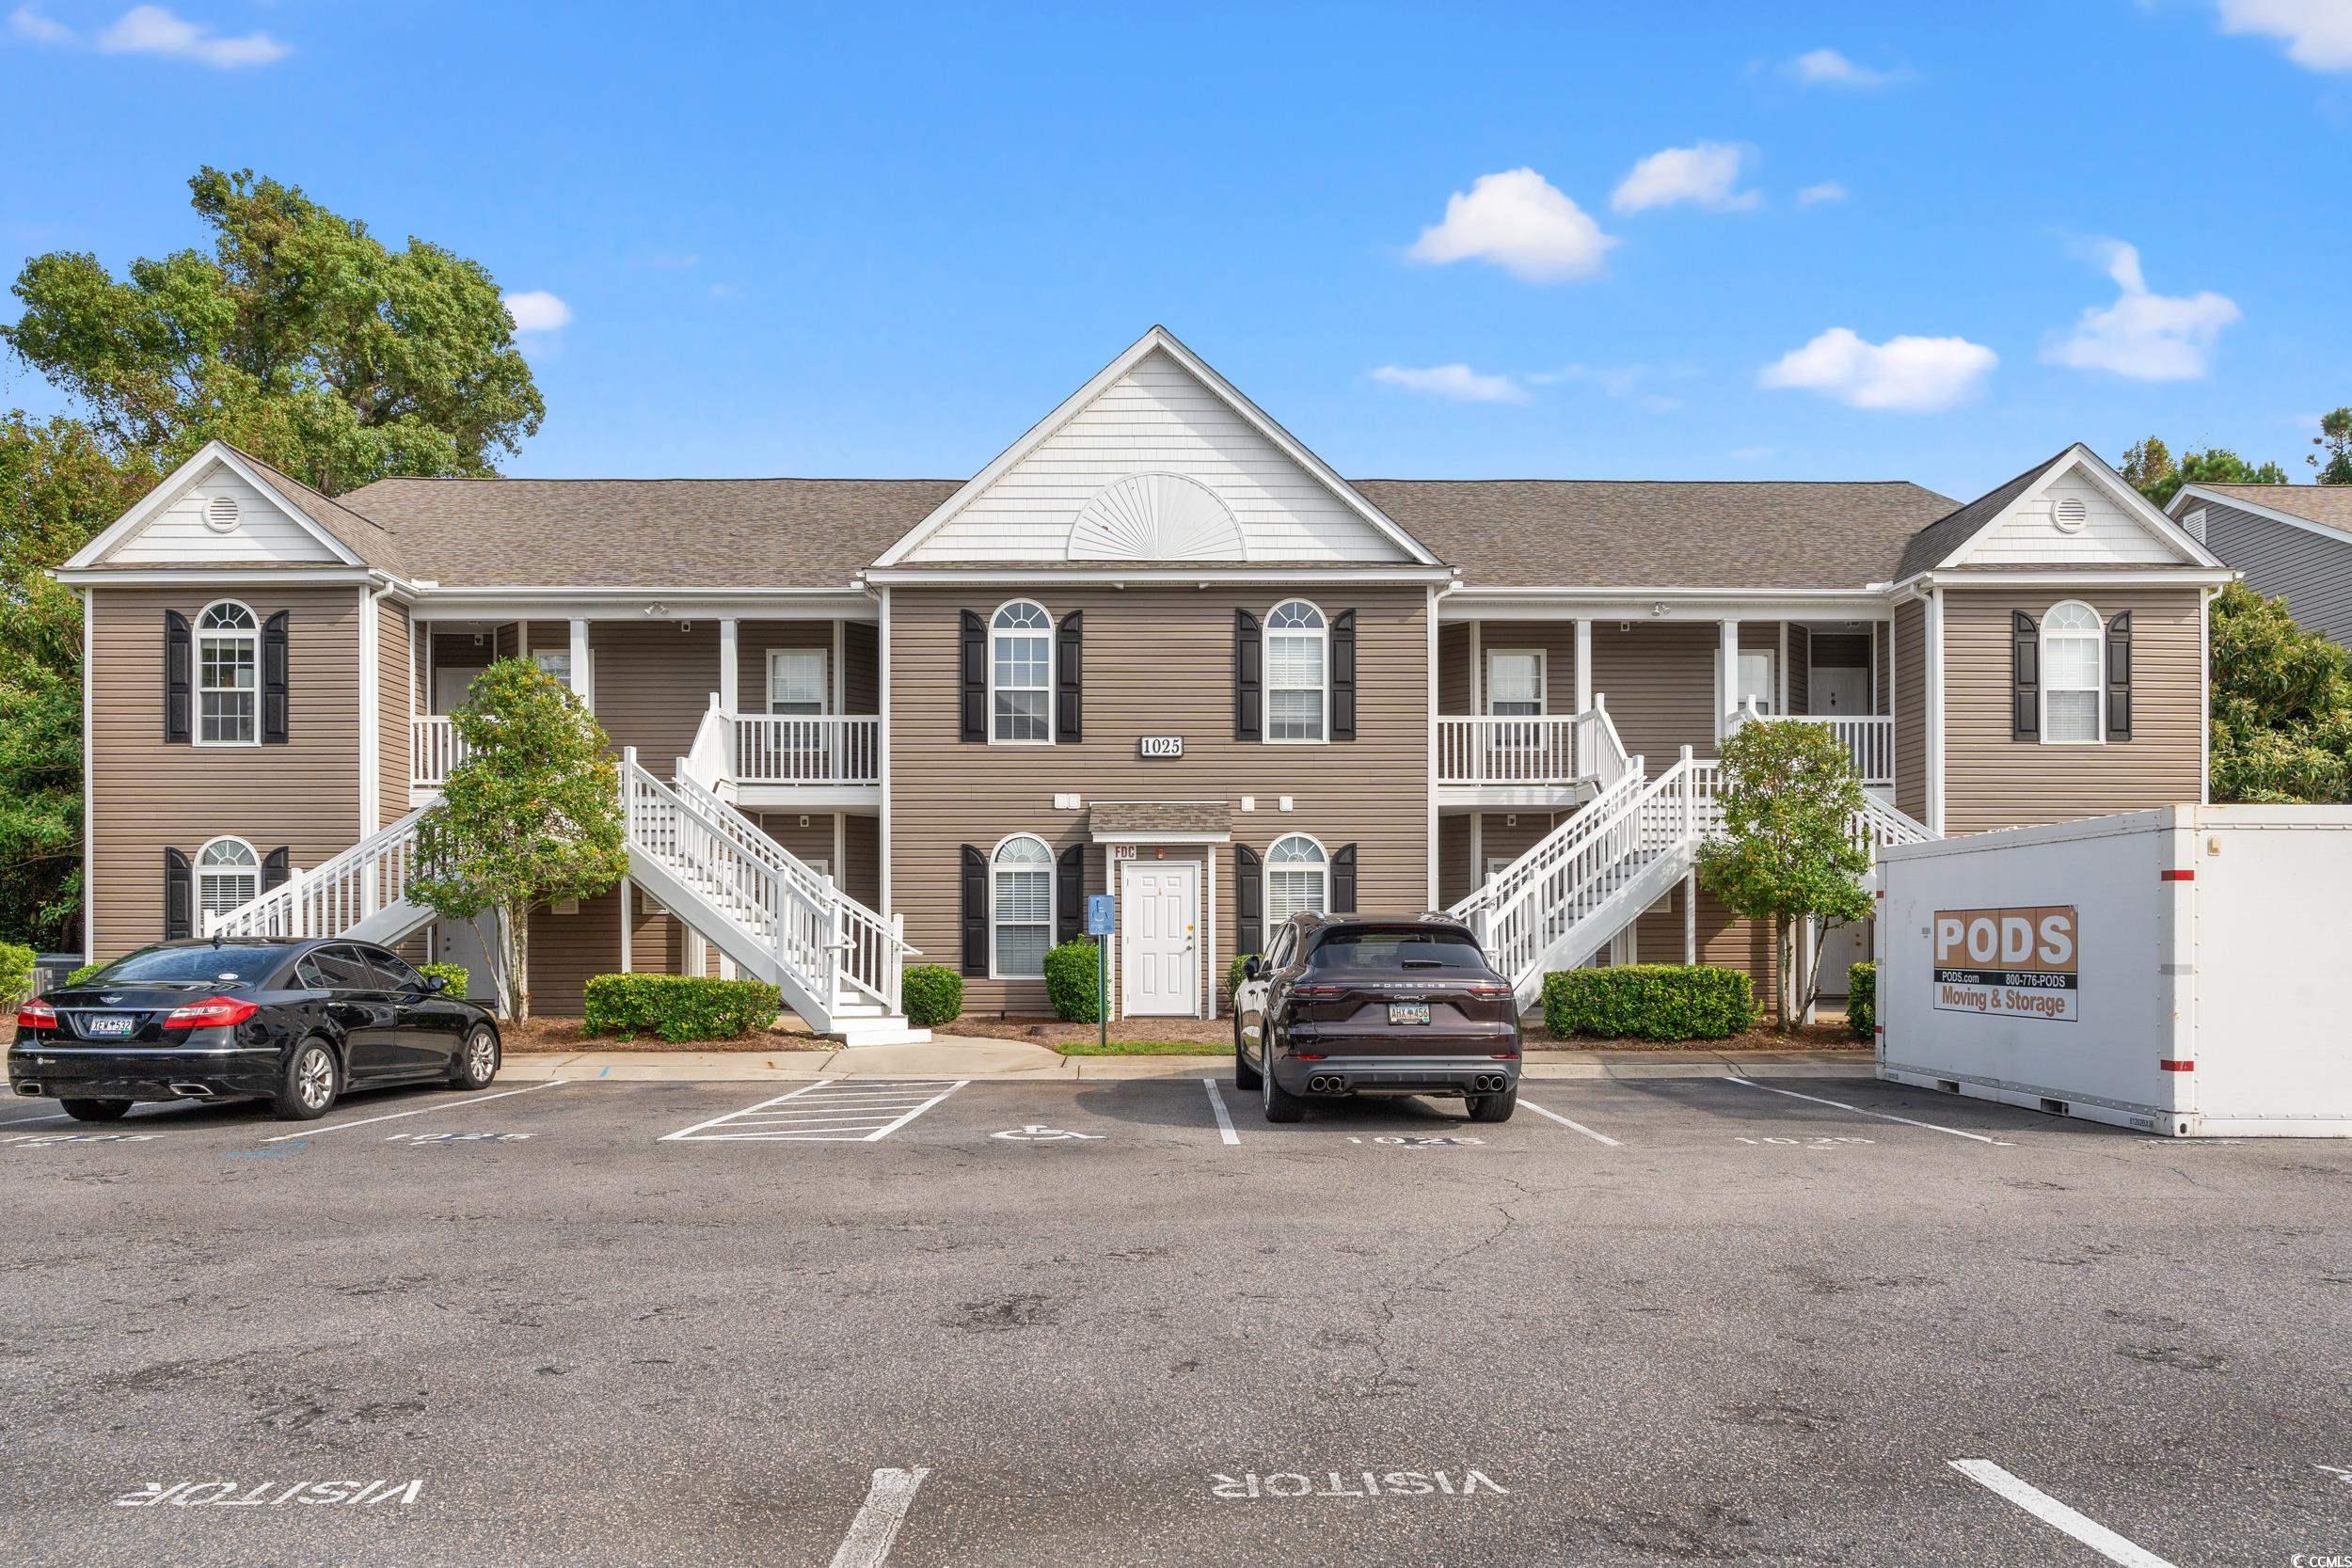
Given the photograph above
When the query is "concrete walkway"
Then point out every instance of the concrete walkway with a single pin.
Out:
(1014, 1061)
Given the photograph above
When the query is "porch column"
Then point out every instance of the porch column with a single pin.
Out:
(1584, 663)
(1691, 915)
(580, 686)
(1727, 681)
(729, 670)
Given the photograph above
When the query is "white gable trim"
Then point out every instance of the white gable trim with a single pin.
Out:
(1160, 340)
(2081, 459)
(177, 483)
(2213, 497)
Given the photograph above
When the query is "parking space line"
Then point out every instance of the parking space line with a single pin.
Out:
(887, 1499)
(451, 1104)
(53, 1116)
(831, 1110)
(1883, 1116)
(1572, 1125)
(1224, 1120)
(2057, 1516)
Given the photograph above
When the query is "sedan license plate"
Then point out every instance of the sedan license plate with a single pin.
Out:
(1409, 1012)
(111, 1027)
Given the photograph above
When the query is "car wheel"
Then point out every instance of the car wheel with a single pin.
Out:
(477, 1060)
(96, 1110)
(1245, 1076)
(311, 1085)
(1494, 1107)
(1280, 1105)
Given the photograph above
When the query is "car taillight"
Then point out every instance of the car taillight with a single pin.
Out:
(37, 1014)
(1482, 989)
(213, 1013)
(1318, 994)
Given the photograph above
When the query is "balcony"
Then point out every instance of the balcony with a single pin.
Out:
(1868, 739)
(1536, 761)
(811, 761)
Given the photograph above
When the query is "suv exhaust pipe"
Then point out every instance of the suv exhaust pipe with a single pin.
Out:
(28, 1090)
(1489, 1083)
(1326, 1083)
(192, 1091)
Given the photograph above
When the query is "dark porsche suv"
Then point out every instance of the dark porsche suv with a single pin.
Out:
(292, 1023)
(1344, 1005)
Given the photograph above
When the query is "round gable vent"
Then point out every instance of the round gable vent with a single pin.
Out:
(220, 514)
(1155, 517)
(2069, 515)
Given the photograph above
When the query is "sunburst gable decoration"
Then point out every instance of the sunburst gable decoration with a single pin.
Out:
(1155, 517)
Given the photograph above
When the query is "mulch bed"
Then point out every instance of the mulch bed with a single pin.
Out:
(563, 1034)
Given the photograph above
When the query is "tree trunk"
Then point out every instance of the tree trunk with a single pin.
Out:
(514, 961)
(1784, 950)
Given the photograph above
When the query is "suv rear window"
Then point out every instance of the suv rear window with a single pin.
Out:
(223, 965)
(1396, 947)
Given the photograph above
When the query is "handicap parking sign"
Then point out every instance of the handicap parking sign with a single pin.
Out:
(1099, 913)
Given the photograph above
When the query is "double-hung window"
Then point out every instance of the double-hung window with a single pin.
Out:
(796, 681)
(1298, 878)
(1758, 680)
(1297, 671)
(1021, 674)
(228, 677)
(1021, 908)
(1514, 683)
(2072, 675)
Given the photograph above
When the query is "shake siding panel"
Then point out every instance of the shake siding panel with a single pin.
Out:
(1910, 647)
(1158, 661)
(147, 794)
(394, 671)
(1993, 781)
(1660, 682)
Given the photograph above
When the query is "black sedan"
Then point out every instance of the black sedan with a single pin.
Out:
(292, 1023)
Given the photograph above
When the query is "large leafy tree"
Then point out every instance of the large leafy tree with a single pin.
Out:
(2281, 705)
(2150, 466)
(299, 337)
(1790, 793)
(532, 814)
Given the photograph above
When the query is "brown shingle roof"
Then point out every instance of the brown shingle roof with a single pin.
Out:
(363, 536)
(1932, 545)
(2329, 505)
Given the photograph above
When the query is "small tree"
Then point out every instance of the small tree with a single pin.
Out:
(1788, 795)
(531, 815)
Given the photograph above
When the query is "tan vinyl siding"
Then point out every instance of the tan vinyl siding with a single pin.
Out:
(752, 639)
(1725, 938)
(1993, 781)
(147, 794)
(1555, 639)
(652, 682)
(392, 702)
(1511, 834)
(1883, 642)
(1453, 669)
(1908, 644)
(1158, 660)
(812, 843)
(1800, 670)
(1457, 877)
(860, 682)
(1660, 682)
(567, 949)
(862, 848)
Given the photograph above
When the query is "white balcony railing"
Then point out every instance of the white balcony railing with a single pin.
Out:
(434, 749)
(792, 748)
(1868, 739)
(1509, 753)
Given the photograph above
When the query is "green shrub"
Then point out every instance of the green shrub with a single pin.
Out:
(1073, 981)
(80, 977)
(16, 972)
(1232, 971)
(929, 995)
(1649, 1001)
(1862, 1001)
(679, 1008)
(458, 976)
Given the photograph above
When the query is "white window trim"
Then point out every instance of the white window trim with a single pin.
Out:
(1268, 869)
(1770, 703)
(825, 681)
(1053, 875)
(1266, 668)
(1052, 626)
(251, 636)
(198, 875)
(2099, 683)
(1543, 680)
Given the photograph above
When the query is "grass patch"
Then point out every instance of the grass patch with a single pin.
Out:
(1142, 1047)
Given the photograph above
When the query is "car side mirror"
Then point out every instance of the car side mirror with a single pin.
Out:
(437, 982)
(1252, 969)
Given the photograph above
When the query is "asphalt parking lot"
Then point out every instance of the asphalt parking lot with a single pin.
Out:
(931, 1324)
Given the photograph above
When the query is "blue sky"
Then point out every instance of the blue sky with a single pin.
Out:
(1759, 241)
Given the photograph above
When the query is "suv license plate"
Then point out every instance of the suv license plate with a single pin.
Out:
(112, 1025)
(1409, 1012)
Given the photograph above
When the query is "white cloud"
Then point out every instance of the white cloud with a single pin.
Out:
(1905, 374)
(1518, 221)
(1827, 68)
(1828, 190)
(26, 23)
(1457, 383)
(2147, 337)
(2318, 33)
(1703, 174)
(153, 30)
(537, 310)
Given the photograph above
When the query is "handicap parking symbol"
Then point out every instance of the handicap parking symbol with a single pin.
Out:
(1033, 1134)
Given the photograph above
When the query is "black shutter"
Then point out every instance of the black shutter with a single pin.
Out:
(1344, 880)
(1249, 677)
(1344, 675)
(274, 679)
(972, 670)
(1249, 901)
(974, 911)
(1069, 894)
(275, 867)
(179, 897)
(177, 677)
(1070, 677)
(2120, 677)
(2024, 673)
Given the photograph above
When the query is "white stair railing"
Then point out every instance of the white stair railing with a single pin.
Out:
(1518, 914)
(335, 896)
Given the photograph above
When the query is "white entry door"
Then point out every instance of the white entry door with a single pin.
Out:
(1159, 952)
(1839, 689)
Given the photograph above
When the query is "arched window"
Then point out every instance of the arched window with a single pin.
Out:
(2074, 674)
(1297, 671)
(1021, 674)
(227, 675)
(1298, 878)
(227, 874)
(1021, 908)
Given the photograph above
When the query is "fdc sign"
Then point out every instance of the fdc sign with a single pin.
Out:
(2016, 963)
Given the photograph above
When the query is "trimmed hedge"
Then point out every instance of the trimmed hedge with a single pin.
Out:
(679, 1008)
(458, 976)
(1862, 1001)
(1649, 1001)
(931, 994)
(1074, 982)
(16, 972)
(80, 977)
